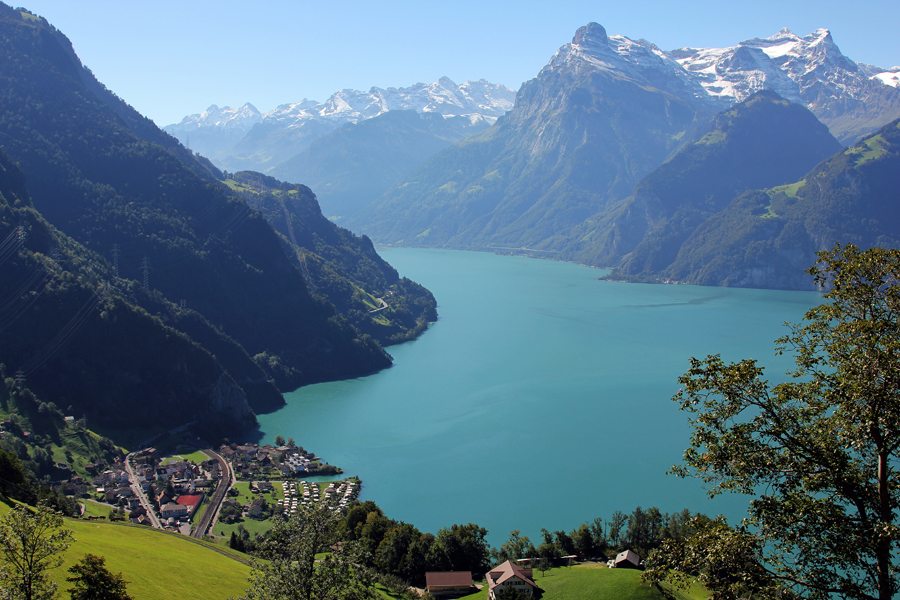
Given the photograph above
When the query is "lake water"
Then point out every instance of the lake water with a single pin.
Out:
(540, 398)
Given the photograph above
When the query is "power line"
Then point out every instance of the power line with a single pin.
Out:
(145, 267)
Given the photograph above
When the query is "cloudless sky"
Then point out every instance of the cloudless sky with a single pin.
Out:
(171, 58)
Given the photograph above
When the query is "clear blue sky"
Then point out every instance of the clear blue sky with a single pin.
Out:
(171, 58)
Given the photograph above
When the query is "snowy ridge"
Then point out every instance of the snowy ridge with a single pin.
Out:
(477, 100)
(242, 118)
(890, 77)
(640, 61)
(809, 70)
(785, 62)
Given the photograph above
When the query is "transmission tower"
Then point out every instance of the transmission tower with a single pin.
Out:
(145, 267)
(183, 304)
(22, 235)
(116, 260)
(20, 379)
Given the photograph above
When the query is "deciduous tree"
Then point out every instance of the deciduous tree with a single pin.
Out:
(31, 542)
(93, 581)
(291, 571)
(819, 453)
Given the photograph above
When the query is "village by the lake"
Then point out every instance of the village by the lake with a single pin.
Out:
(205, 493)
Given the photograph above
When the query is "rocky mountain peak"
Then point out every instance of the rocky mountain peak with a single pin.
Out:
(592, 34)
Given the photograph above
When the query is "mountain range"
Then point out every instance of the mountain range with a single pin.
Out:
(550, 177)
(243, 138)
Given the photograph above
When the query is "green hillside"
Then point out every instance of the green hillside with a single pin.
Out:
(156, 564)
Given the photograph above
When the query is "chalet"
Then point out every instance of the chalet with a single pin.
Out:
(448, 582)
(509, 575)
(627, 560)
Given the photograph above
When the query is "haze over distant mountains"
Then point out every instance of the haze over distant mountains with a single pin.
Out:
(244, 138)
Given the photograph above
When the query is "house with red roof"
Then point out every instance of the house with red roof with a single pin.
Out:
(191, 501)
(509, 575)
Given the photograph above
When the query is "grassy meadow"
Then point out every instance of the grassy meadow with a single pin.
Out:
(596, 582)
(156, 564)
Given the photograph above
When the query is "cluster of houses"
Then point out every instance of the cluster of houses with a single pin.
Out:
(254, 461)
(180, 486)
(110, 485)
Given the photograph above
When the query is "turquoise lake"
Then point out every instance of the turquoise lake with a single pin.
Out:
(540, 398)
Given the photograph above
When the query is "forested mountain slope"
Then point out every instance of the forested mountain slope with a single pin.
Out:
(92, 177)
(762, 142)
(78, 343)
(339, 265)
(768, 238)
(155, 223)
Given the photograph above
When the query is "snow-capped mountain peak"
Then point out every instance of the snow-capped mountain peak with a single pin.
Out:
(641, 61)
(243, 117)
(810, 70)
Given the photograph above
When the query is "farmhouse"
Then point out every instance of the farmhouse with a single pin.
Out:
(448, 582)
(510, 575)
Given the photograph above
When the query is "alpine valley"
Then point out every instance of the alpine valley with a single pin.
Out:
(143, 290)
(710, 166)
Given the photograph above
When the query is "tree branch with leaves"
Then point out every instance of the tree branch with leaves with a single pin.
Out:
(818, 453)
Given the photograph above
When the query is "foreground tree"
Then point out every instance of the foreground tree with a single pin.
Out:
(31, 542)
(291, 570)
(818, 454)
(93, 581)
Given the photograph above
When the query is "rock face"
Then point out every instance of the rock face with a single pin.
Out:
(227, 401)
(238, 139)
